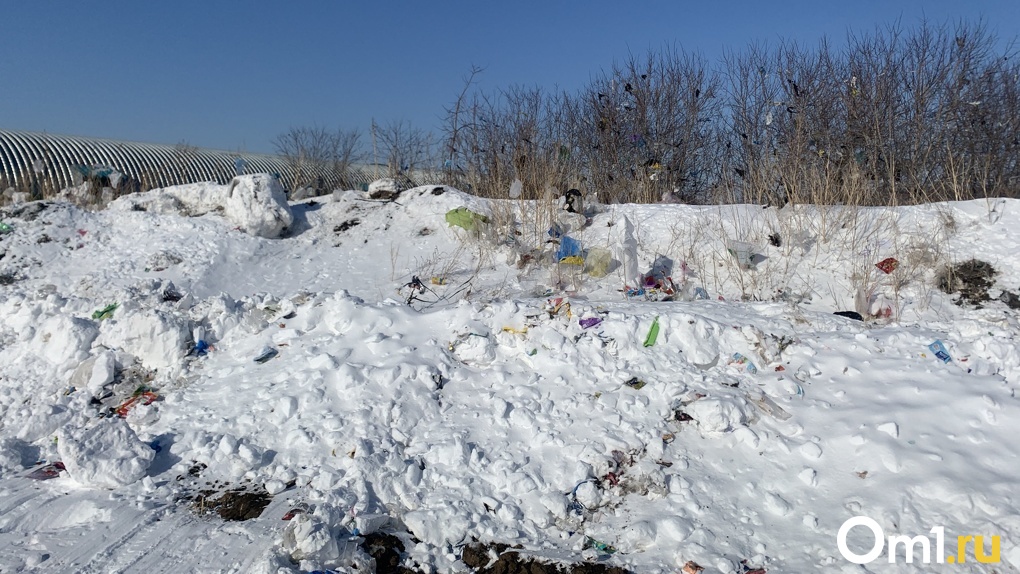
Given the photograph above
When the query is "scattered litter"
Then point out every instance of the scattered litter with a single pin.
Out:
(767, 405)
(653, 333)
(466, 219)
(888, 265)
(200, 349)
(51, 470)
(700, 293)
(590, 322)
(739, 359)
(602, 547)
(265, 354)
(692, 567)
(940, 351)
(438, 280)
(850, 315)
(635, 383)
(574, 201)
(569, 251)
(634, 292)
(294, 512)
(597, 262)
(171, 294)
(558, 306)
(515, 330)
(105, 312)
(5, 228)
(142, 396)
(746, 254)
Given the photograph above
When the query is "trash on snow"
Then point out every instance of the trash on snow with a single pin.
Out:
(47, 472)
(635, 383)
(739, 359)
(105, 312)
(653, 333)
(265, 354)
(888, 265)
(940, 351)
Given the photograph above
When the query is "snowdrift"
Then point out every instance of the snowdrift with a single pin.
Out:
(363, 369)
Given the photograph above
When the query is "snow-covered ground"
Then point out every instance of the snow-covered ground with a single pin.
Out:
(488, 408)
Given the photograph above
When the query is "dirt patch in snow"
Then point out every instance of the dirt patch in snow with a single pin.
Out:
(388, 552)
(230, 502)
(478, 556)
(346, 225)
(236, 504)
(1011, 299)
(971, 279)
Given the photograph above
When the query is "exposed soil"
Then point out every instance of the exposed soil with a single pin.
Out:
(238, 504)
(346, 225)
(388, 552)
(971, 279)
(476, 556)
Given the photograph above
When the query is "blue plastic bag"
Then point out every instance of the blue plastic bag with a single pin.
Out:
(569, 247)
(940, 351)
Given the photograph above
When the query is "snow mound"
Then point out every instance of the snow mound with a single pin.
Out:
(65, 340)
(258, 205)
(108, 455)
(157, 338)
(189, 199)
(387, 184)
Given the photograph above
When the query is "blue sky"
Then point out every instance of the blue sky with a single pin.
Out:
(233, 75)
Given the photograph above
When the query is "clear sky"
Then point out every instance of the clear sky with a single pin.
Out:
(233, 75)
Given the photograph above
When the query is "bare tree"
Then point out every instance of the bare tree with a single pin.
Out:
(319, 157)
(406, 148)
(455, 119)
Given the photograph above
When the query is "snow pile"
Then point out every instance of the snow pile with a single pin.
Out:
(258, 205)
(385, 184)
(106, 455)
(159, 339)
(255, 203)
(65, 340)
(190, 199)
(484, 401)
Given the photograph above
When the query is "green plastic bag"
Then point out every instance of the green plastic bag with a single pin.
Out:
(653, 333)
(105, 312)
(4, 228)
(464, 217)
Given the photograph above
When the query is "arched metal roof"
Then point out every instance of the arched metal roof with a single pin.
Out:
(40, 161)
